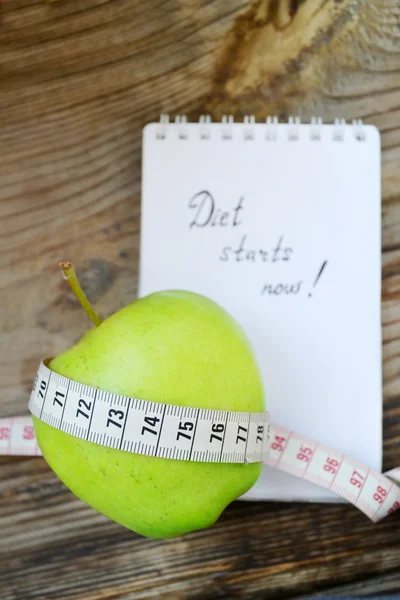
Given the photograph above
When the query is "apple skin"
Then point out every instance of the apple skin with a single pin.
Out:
(175, 347)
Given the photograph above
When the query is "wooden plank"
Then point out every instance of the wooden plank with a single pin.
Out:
(387, 583)
(78, 80)
(54, 544)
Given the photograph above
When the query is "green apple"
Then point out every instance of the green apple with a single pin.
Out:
(175, 347)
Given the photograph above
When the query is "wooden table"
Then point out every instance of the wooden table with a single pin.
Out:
(78, 80)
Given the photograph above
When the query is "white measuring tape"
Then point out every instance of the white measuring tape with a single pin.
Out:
(183, 433)
(144, 427)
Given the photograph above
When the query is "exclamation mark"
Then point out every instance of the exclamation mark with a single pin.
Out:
(319, 275)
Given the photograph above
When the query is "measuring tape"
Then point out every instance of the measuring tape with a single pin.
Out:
(201, 435)
(151, 428)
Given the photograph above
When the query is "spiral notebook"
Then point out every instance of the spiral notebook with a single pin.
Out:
(280, 224)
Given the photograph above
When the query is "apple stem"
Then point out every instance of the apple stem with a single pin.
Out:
(70, 276)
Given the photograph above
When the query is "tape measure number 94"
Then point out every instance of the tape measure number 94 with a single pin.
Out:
(182, 433)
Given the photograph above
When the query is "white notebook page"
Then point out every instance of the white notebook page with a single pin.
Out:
(251, 223)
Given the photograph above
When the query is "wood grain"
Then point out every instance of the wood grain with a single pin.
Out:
(78, 81)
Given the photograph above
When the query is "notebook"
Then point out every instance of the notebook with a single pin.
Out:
(280, 224)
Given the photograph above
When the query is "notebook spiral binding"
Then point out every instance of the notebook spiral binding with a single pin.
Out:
(292, 131)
